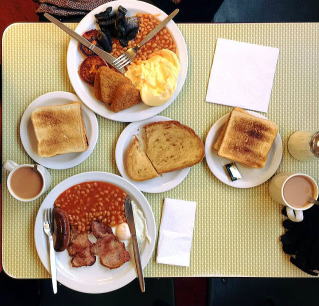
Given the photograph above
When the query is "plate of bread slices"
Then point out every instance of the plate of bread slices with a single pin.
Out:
(243, 148)
(57, 131)
(156, 154)
(152, 81)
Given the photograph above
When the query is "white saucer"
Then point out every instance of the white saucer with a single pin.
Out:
(63, 161)
(164, 182)
(251, 177)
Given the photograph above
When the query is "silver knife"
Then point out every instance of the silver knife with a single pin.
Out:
(137, 258)
(107, 57)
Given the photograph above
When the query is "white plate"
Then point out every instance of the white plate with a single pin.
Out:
(85, 92)
(164, 182)
(95, 278)
(250, 177)
(63, 161)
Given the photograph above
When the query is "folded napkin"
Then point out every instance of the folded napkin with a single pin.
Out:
(176, 232)
(66, 8)
(242, 75)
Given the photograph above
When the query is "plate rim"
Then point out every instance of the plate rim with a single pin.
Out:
(119, 156)
(208, 152)
(24, 137)
(107, 177)
(73, 45)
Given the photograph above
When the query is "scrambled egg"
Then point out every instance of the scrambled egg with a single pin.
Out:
(156, 78)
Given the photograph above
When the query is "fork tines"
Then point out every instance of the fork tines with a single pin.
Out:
(48, 217)
(122, 61)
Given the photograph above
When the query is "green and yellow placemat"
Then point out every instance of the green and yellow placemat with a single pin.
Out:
(236, 231)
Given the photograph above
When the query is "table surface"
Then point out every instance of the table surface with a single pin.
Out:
(237, 230)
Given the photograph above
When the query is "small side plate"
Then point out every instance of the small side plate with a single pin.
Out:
(164, 182)
(63, 161)
(251, 177)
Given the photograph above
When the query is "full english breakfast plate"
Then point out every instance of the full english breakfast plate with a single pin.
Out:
(96, 256)
(81, 62)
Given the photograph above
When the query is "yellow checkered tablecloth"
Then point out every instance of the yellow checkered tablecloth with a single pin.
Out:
(236, 231)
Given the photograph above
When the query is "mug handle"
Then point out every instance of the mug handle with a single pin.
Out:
(9, 165)
(294, 215)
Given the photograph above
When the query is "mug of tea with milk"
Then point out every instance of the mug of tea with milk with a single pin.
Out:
(27, 182)
(294, 190)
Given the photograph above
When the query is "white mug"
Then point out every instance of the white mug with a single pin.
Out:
(11, 166)
(276, 190)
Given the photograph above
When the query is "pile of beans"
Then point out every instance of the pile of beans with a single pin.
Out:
(89, 201)
(162, 40)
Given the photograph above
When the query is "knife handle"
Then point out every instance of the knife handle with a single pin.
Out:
(107, 57)
(138, 264)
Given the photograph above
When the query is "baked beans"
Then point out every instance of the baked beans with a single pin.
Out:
(89, 201)
(162, 40)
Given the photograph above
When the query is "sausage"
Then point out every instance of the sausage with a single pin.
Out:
(61, 232)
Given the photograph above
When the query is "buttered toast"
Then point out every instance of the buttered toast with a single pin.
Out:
(59, 129)
(247, 139)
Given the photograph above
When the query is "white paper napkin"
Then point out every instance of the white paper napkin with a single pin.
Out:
(176, 232)
(242, 75)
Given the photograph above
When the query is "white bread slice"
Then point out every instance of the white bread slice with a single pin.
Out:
(248, 139)
(59, 129)
(137, 165)
(171, 145)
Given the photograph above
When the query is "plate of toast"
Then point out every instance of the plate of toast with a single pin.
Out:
(156, 154)
(57, 131)
(247, 143)
(111, 94)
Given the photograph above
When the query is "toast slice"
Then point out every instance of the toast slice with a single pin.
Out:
(248, 139)
(171, 145)
(124, 96)
(109, 81)
(221, 132)
(137, 165)
(59, 129)
(115, 90)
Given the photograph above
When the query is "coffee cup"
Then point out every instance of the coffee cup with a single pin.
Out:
(293, 190)
(26, 182)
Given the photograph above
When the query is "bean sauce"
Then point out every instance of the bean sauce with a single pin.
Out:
(89, 201)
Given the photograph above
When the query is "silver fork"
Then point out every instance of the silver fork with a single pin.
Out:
(127, 57)
(48, 229)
